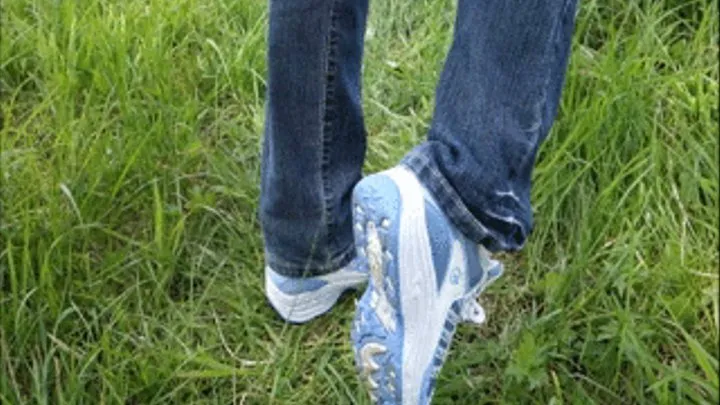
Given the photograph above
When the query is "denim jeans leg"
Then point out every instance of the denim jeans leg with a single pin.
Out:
(314, 141)
(495, 103)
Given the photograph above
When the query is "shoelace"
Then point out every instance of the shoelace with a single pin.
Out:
(471, 311)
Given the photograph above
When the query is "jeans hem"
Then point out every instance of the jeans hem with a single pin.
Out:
(310, 268)
(453, 206)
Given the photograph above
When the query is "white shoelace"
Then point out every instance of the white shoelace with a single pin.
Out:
(472, 311)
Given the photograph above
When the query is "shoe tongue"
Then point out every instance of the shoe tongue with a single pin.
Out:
(486, 270)
(485, 261)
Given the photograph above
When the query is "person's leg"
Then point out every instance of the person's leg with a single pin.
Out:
(418, 225)
(495, 103)
(314, 142)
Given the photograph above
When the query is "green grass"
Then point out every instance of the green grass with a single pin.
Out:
(130, 253)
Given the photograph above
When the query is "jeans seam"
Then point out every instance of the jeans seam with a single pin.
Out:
(327, 121)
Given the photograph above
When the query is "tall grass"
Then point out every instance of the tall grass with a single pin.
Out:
(130, 255)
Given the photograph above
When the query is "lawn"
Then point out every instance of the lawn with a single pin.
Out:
(130, 251)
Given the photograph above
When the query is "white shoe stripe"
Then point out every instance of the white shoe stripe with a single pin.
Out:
(424, 309)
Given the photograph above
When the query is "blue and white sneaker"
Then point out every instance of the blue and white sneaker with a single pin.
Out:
(425, 278)
(300, 299)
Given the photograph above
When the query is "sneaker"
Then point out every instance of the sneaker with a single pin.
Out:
(300, 299)
(425, 278)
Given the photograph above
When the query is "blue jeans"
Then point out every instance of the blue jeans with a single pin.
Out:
(495, 103)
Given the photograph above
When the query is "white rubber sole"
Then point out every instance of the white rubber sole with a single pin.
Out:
(303, 307)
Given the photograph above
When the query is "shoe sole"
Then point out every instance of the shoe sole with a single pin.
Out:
(373, 199)
(401, 340)
(303, 307)
(386, 207)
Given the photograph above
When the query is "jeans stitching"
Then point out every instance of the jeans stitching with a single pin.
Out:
(328, 116)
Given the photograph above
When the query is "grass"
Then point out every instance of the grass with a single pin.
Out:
(130, 254)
